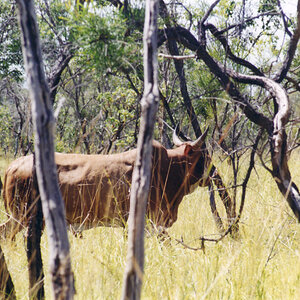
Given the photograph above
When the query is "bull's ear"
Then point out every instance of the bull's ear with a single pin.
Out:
(188, 150)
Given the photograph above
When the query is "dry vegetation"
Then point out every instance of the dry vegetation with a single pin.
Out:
(263, 263)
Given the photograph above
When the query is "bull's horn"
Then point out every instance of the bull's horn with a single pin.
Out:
(198, 143)
(177, 142)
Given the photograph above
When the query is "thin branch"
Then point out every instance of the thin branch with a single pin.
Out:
(201, 26)
(178, 57)
(208, 12)
(296, 83)
(173, 49)
(55, 77)
(247, 177)
(271, 255)
(213, 207)
(186, 38)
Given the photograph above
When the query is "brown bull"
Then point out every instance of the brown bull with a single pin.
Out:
(96, 188)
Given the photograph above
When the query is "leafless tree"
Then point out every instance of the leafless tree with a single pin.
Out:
(43, 122)
(142, 170)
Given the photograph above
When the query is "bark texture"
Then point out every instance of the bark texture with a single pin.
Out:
(43, 122)
(133, 275)
(34, 233)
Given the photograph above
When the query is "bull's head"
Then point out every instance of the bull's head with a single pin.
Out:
(200, 155)
(176, 172)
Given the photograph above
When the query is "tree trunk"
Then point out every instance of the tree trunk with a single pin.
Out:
(142, 171)
(34, 234)
(43, 122)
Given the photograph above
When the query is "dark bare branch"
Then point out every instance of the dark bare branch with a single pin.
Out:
(291, 50)
(116, 3)
(201, 24)
(208, 12)
(284, 17)
(55, 76)
(221, 38)
(275, 127)
(173, 49)
(247, 177)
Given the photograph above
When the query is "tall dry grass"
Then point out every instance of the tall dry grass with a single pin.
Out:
(263, 263)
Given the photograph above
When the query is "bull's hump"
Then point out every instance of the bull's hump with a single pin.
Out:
(22, 167)
(71, 169)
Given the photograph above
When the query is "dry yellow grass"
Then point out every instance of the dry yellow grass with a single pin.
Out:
(264, 263)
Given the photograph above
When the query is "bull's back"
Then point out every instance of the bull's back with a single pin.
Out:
(95, 189)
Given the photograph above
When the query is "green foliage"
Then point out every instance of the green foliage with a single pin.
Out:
(54, 30)
(68, 141)
(100, 34)
(101, 106)
(120, 108)
(270, 23)
(11, 60)
(230, 8)
(5, 128)
(267, 5)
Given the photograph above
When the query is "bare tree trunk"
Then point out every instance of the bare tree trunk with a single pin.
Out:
(34, 234)
(7, 289)
(142, 171)
(43, 121)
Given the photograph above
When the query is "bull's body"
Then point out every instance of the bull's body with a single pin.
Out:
(96, 188)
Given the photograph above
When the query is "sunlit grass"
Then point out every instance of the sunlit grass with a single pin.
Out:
(263, 263)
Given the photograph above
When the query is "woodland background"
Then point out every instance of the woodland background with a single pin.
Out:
(93, 59)
(93, 54)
